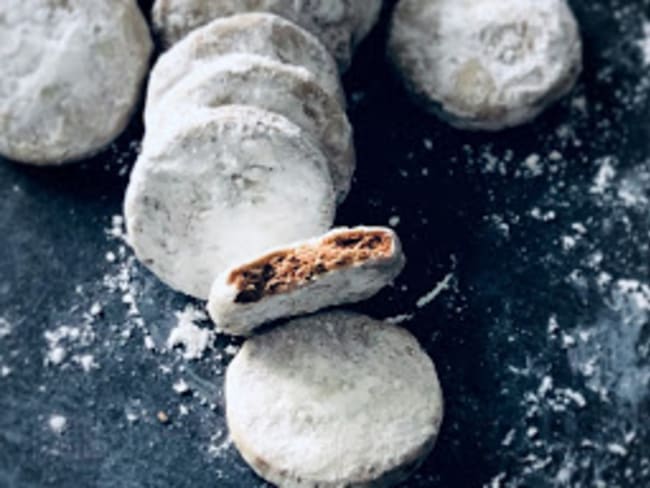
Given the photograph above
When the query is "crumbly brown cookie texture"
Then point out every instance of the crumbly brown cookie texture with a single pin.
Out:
(346, 265)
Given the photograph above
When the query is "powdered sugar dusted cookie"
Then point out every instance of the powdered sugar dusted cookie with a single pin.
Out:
(488, 64)
(222, 185)
(339, 24)
(254, 33)
(343, 266)
(332, 400)
(71, 76)
(281, 88)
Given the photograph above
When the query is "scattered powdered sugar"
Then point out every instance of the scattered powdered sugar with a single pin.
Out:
(65, 338)
(401, 318)
(219, 443)
(181, 387)
(605, 175)
(443, 285)
(135, 410)
(86, 361)
(121, 157)
(122, 280)
(607, 356)
(57, 423)
(644, 43)
(532, 166)
(617, 449)
(5, 327)
(575, 214)
(194, 339)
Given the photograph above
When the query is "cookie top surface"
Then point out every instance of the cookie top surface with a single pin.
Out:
(71, 75)
(486, 64)
(334, 399)
(281, 88)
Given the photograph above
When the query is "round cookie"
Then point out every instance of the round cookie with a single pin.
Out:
(291, 91)
(71, 76)
(220, 185)
(253, 33)
(338, 24)
(335, 399)
(485, 65)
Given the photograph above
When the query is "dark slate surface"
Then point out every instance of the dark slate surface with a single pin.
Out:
(541, 339)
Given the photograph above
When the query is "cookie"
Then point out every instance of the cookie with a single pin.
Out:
(332, 400)
(71, 76)
(246, 79)
(485, 65)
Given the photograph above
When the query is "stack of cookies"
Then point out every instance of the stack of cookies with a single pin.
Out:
(247, 147)
(247, 153)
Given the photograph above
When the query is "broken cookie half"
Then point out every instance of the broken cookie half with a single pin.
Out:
(345, 265)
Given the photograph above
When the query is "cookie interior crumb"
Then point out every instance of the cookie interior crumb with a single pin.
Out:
(285, 270)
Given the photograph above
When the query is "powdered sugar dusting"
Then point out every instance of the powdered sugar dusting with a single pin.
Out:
(194, 339)
(5, 328)
(57, 423)
(644, 43)
(427, 298)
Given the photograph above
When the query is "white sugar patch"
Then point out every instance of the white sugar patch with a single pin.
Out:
(194, 339)
(86, 361)
(56, 351)
(5, 328)
(65, 339)
(443, 285)
(57, 423)
(533, 166)
(607, 356)
(604, 177)
(398, 319)
(644, 43)
(181, 387)
(219, 443)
